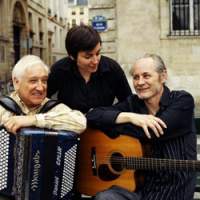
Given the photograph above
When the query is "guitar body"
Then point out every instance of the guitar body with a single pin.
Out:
(96, 173)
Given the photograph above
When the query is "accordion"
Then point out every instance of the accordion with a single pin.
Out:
(38, 164)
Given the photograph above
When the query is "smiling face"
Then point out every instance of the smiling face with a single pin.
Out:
(148, 83)
(88, 61)
(32, 86)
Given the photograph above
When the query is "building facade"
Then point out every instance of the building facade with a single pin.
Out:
(30, 27)
(37, 28)
(56, 29)
(77, 13)
(170, 28)
(106, 9)
(13, 33)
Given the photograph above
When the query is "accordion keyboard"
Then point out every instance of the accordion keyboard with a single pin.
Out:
(4, 138)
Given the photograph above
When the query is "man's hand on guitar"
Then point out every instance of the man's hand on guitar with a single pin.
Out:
(143, 121)
(16, 122)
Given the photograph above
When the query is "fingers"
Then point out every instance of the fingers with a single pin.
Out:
(12, 125)
(146, 131)
(158, 128)
(16, 122)
(160, 122)
(155, 124)
(154, 129)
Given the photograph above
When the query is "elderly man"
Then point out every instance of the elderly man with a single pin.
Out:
(29, 77)
(162, 118)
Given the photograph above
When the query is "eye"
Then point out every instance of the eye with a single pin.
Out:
(146, 76)
(44, 81)
(87, 57)
(98, 53)
(135, 77)
(33, 81)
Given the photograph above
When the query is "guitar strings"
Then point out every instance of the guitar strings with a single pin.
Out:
(151, 163)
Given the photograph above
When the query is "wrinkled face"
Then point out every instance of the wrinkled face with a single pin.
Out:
(148, 83)
(32, 86)
(88, 61)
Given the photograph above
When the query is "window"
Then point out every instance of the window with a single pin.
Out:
(72, 2)
(1, 16)
(49, 12)
(82, 2)
(41, 36)
(81, 11)
(73, 22)
(40, 24)
(30, 19)
(185, 17)
(73, 12)
(2, 54)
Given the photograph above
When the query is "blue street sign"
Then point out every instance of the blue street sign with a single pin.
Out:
(99, 23)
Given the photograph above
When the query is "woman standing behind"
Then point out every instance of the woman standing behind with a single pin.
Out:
(85, 79)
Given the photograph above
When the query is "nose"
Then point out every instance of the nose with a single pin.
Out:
(139, 81)
(95, 59)
(40, 86)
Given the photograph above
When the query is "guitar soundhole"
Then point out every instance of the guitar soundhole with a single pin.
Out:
(116, 161)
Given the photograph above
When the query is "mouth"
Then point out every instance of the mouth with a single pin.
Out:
(38, 95)
(142, 89)
(93, 68)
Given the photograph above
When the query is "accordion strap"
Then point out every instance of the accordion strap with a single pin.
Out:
(49, 105)
(9, 104)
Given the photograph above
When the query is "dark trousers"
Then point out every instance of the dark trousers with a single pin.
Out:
(117, 193)
(5, 198)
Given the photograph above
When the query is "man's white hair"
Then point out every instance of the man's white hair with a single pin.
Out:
(26, 62)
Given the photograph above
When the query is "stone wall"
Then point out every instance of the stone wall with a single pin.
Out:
(143, 26)
(107, 9)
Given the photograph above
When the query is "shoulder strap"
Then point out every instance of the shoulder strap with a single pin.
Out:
(9, 104)
(49, 105)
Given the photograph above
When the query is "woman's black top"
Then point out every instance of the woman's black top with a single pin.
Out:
(106, 84)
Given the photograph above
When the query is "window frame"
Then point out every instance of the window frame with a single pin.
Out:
(191, 27)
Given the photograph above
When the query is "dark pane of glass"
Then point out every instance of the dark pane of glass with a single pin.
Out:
(196, 1)
(180, 2)
(197, 15)
(82, 2)
(180, 17)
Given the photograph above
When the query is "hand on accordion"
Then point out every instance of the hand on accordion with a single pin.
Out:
(16, 122)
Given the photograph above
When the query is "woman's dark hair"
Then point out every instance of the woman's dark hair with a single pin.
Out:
(81, 38)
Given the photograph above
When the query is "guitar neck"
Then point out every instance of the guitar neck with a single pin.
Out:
(159, 164)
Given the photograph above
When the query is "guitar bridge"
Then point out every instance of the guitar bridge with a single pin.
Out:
(94, 161)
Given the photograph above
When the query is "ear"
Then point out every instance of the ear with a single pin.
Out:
(164, 76)
(16, 83)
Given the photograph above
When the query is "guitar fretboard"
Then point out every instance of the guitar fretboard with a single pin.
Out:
(156, 164)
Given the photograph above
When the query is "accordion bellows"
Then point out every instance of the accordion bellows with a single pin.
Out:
(38, 164)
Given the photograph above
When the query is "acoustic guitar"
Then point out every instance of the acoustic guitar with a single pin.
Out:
(104, 162)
